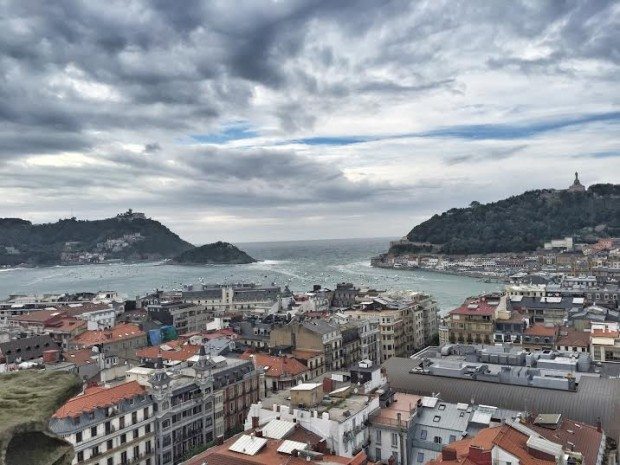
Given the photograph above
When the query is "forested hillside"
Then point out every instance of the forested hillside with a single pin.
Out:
(521, 223)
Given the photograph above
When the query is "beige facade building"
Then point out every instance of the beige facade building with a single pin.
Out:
(407, 322)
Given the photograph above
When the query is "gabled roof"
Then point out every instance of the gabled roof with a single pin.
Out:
(181, 353)
(572, 338)
(276, 367)
(98, 398)
(119, 332)
(582, 437)
(38, 316)
(541, 330)
(478, 306)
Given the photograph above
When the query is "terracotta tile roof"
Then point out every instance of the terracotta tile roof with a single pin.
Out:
(276, 367)
(515, 443)
(483, 440)
(605, 333)
(572, 338)
(583, 437)
(99, 397)
(79, 357)
(65, 325)
(541, 330)
(119, 332)
(267, 455)
(84, 307)
(179, 353)
(478, 306)
(38, 316)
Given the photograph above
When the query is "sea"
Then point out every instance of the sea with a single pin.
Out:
(296, 264)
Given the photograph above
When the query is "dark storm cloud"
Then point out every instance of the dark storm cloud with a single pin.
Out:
(129, 85)
(152, 147)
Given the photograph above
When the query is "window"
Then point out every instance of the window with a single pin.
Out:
(146, 413)
(423, 434)
(80, 456)
(124, 456)
(378, 436)
(377, 454)
(452, 438)
(442, 406)
(135, 433)
(420, 457)
(123, 438)
(78, 437)
(134, 418)
(394, 439)
(109, 444)
(436, 419)
(93, 431)
(437, 440)
(147, 428)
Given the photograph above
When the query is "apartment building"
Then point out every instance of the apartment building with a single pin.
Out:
(314, 335)
(605, 342)
(390, 428)
(474, 320)
(185, 317)
(407, 322)
(221, 299)
(109, 426)
(122, 340)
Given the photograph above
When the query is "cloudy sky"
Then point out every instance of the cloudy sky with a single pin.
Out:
(274, 120)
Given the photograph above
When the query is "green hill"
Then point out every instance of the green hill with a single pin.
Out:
(520, 223)
(218, 253)
(128, 236)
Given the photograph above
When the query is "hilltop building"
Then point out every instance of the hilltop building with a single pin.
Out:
(577, 186)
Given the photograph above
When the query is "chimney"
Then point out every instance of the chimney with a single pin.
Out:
(254, 422)
(398, 418)
(259, 432)
(479, 456)
(219, 440)
(599, 425)
(448, 453)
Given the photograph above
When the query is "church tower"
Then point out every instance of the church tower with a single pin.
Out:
(577, 186)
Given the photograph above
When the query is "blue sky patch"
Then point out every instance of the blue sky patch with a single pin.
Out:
(228, 133)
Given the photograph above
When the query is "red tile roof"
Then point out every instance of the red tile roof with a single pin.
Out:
(180, 353)
(605, 333)
(477, 306)
(99, 397)
(515, 443)
(79, 357)
(276, 367)
(84, 307)
(119, 332)
(582, 437)
(483, 441)
(38, 316)
(541, 330)
(65, 325)
(572, 338)
(267, 455)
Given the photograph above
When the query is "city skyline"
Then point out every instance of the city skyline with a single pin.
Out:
(300, 120)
